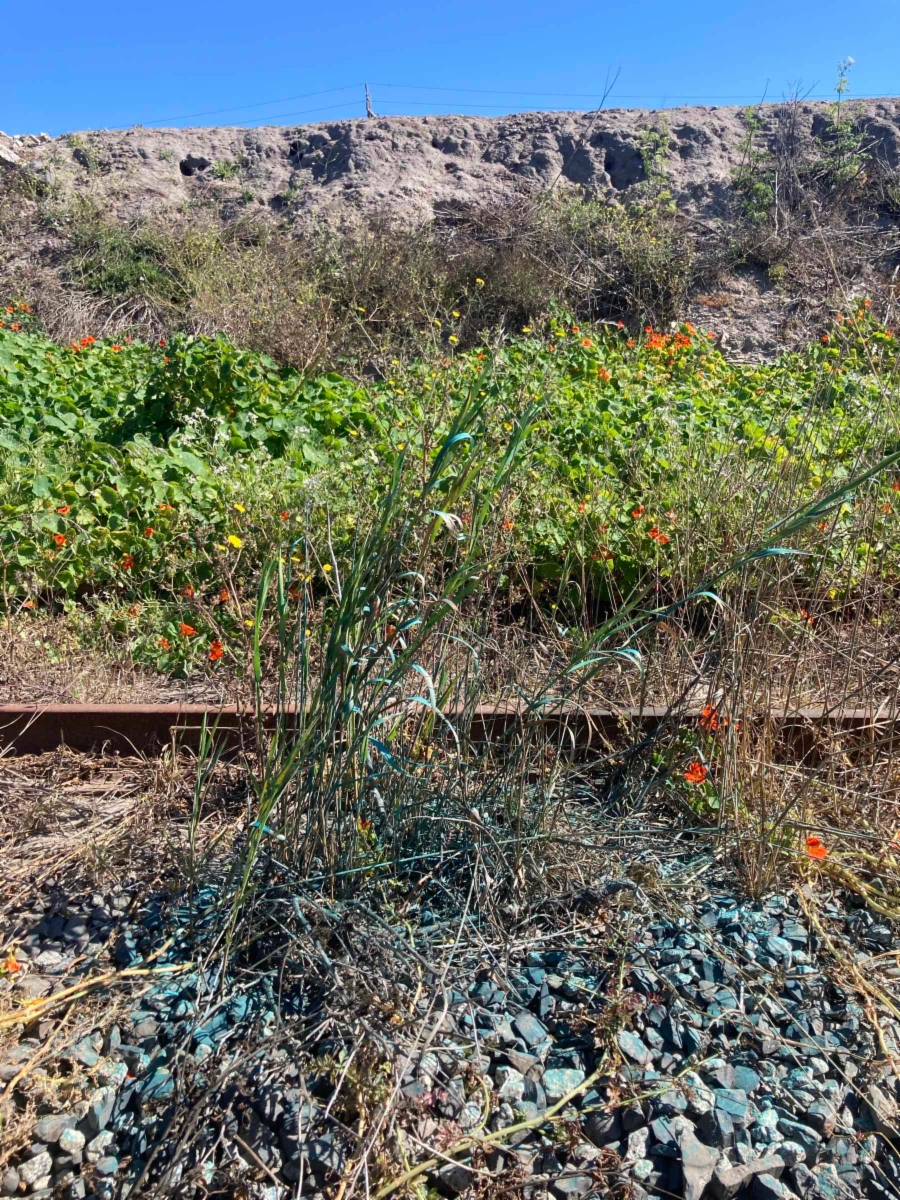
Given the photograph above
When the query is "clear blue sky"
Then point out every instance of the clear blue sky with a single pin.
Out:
(104, 64)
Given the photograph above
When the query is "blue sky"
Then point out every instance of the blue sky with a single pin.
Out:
(105, 65)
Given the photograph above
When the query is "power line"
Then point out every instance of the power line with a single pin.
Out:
(215, 112)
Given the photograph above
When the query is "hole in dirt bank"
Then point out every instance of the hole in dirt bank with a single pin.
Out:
(192, 164)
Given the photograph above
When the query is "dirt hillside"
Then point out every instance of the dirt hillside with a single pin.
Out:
(418, 166)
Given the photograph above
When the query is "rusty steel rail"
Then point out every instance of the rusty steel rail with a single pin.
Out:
(149, 728)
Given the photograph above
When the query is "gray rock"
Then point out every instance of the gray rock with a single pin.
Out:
(530, 1029)
(698, 1162)
(602, 1129)
(108, 1165)
(101, 1106)
(792, 1153)
(455, 1177)
(767, 1187)
(97, 1147)
(559, 1081)
(632, 1045)
(49, 1129)
(794, 1131)
(76, 1190)
(570, 1187)
(9, 1184)
(884, 1110)
(35, 1168)
(727, 1181)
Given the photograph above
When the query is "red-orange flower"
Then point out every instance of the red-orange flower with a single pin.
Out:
(59, 538)
(115, 348)
(825, 339)
(128, 562)
(696, 773)
(508, 524)
(284, 514)
(816, 848)
(895, 486)
(216, 650)
(148, 532)
(223, 596)
(87, 341)
(630, 343)
(586, 342)
(166, 507)
(161, 342)
(63, 509)
(658, 536)
(574, 328)
(187, 590)
(15, 327)
(603, 374)
(389, 632)
(10, 966)
(10, 308)
(709, 718)
(187, 630)
(29, 604)
(164, 643)
(620, 324)
(638, 512)
(604, 554)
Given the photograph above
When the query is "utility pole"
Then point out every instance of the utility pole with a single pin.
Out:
(370, 112)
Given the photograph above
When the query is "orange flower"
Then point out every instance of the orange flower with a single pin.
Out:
(603, 374)
(887, 508)
(816, 848)
(807, 617)
(10, 308)
(895, 486)
(15, 327)
(364, 825)
(574, 328)
(825, 339)
(216, 650)
(187, 630)
(223, 596)
(284, 514)
(658, 536)
(10, 966)
(28, 604)
(133, 610)
(822, 526)
(115, 348)
(59, 538)
(586, 342)
(166, 507)
(630, 343)
(551, 348)
(620, 324)
(507, 524)
(696, 773)
(867, 303)
(709, 718)
(672, 515)
(165, 360)
(648, 329)
(389, 632)
(87, 341)
(638, 512)
(187, 590)
(161, 342)
(63, 509)
(148, 532)
(164, 643)
(127, 562)
(604, 554)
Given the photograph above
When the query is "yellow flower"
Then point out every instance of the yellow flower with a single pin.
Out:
(436, 322)
(359, 308)
(526, 329)
(326, 566)
(401, 445)
(455, 313)
(240, 508)
(249, 623)
(235, 541)
(479, 283)
(452, 339)
(219, 547)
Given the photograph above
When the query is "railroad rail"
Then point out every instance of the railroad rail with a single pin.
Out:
(27, 729)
